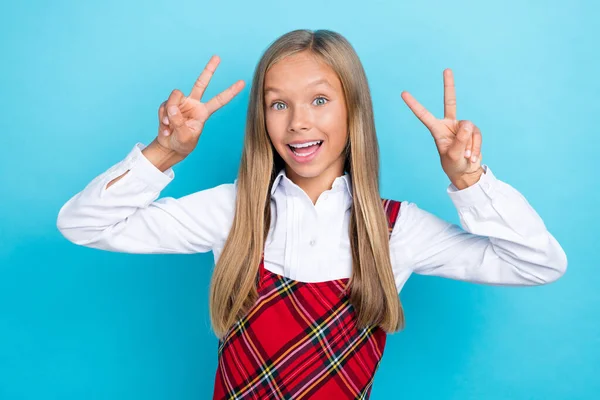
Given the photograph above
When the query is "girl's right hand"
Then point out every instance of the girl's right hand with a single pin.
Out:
(181, 118)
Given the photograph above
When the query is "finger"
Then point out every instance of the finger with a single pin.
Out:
(176, 119)
(459, 146)
(204, 78)
(162, 113)
(163, 127)
(421, 112)
(449, 95)
(224, 97)
(469, 149)
(476, 150)
(175, 99)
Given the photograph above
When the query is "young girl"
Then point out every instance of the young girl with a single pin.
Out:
(309, 258)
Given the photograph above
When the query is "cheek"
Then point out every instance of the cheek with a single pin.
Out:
(274, 131)
(335, 126)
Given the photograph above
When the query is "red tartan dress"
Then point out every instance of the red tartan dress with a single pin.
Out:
(300, 341)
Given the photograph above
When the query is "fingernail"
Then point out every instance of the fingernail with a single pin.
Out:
(468, 127)
(468, 153)
(474, 158)
(172, 110)
(165, 120)
(166, 132)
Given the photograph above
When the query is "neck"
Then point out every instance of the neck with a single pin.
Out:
(314, 186)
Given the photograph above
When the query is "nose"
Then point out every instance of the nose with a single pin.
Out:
(300, 119)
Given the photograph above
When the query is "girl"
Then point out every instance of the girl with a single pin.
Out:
(309, 259)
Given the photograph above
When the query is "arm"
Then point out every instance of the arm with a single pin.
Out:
(161, 157)
(127, 217)
(504, 241)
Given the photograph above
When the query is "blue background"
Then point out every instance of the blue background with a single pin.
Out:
(81, 83)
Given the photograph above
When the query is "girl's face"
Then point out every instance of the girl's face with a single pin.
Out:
(306, 118)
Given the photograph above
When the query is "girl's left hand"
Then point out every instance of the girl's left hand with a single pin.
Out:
(458, 142)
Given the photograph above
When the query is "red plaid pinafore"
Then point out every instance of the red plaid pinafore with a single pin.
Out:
(300, 341)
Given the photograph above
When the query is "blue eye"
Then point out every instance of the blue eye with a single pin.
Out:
(321, 97)
(275, 103)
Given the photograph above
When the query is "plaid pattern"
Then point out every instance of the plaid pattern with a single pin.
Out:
(300, 341)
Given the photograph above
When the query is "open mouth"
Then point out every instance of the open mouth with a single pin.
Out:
(305, 149)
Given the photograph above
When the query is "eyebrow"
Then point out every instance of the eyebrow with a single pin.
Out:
(314, 83)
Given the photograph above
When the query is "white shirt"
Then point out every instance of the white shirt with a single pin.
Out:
(503, 241)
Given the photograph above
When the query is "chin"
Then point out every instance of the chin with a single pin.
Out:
(304, 170)
(307, 171)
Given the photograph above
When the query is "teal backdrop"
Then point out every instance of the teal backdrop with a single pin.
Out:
(81, 83)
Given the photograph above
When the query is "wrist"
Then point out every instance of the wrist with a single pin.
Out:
(160, 156)
(468, 179)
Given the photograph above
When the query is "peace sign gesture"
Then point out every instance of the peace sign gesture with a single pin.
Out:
(458, 142)
(181, 118)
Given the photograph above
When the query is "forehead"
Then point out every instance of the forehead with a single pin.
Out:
(299, 71)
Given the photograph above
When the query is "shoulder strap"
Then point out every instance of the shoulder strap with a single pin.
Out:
(392, 209)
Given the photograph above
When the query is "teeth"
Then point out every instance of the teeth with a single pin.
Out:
(307, 144)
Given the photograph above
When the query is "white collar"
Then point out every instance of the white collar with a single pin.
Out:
(343, 181)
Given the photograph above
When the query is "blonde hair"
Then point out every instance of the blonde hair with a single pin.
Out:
(372, 288)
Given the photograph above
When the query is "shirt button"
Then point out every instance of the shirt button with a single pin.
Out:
(325, 196)
(312, 242)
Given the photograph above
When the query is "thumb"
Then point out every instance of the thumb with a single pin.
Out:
(461, 140)
(176, 119)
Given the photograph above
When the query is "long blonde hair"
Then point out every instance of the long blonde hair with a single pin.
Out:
(372, 288)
